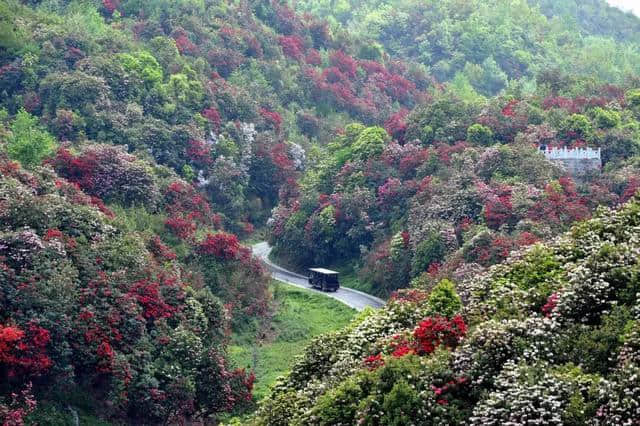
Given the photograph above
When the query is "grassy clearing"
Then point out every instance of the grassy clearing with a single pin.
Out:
(300, 316)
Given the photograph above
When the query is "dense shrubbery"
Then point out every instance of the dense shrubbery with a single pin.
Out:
(486, 45)
(433, 207)
(87, 303)
(152, 134)
(550, 336)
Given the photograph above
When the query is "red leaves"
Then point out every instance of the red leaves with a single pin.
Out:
(222, 245)
(435, 331)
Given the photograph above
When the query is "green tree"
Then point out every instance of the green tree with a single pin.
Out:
(370, 142)
(431, 250)
(28, 142)
(444, 300)
(480, 135)
(606, 118)
(578, 125)
(144, 66)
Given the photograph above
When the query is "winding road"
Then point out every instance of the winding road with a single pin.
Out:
(353, 298)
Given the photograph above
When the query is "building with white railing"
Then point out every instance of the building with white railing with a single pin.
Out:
(577, 161)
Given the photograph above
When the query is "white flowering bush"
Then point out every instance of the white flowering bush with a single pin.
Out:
(537, 394)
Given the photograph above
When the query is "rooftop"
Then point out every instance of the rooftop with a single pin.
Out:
(323, 271)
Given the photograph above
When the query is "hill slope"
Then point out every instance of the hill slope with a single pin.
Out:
(551, 336)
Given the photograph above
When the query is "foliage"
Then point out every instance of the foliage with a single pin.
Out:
(508, 360)
(28, 143)
(80, 294)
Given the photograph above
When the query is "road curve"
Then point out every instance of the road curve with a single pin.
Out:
(352, 298)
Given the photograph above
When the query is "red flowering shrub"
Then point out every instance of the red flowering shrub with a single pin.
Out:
(409, 295)
(498, 209)
(159, 249)
(199, 152)
(186, 204)
(181, 227)
(183, 43)
(32, 102)
(313, 57)
(374, 362)
(399, 88)
(271, 117)
(292, 46)
(213, 116)
(333, 75)
(14, 411)
(222, 245)
(632, 188)
(561, 205)
(508, 110)
(110, 6)
(24, 353)
(147, 293)
(396, 125)
(109, 173)
(548, 307)
(319, 33)
(344, 63)
(435, 331)
(527, 239)
(225, 61)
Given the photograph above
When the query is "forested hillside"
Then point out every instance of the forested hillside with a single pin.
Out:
(550, 337)
(488, 44)
(142, 141)
(458, 186)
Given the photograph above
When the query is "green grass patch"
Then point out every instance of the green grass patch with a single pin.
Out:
(301, 315)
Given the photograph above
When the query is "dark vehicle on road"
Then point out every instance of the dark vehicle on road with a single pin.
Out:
(323, 279)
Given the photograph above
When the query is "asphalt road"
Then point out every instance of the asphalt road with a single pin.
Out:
(353, 298)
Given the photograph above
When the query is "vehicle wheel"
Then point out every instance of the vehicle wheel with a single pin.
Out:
(324, 287)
